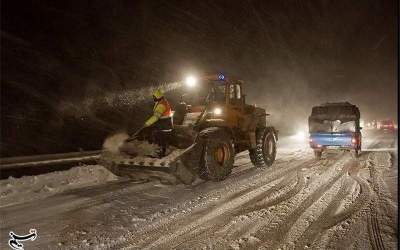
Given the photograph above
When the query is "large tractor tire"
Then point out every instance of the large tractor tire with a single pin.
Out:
(218, 156)
(263, 155)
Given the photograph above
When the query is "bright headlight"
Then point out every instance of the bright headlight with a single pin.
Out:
(217, 111)
(191, 81)
(300, 135)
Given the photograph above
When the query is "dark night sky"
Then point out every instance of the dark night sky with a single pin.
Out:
(57, 55)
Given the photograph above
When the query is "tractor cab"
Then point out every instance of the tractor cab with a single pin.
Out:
(212, 98)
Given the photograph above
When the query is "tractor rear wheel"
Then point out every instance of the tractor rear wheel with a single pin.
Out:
(218, 157)
(263, 155)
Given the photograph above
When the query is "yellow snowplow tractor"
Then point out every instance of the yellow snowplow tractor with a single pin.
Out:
(214, 125)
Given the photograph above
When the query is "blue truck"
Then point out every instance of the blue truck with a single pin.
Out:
(335, 126)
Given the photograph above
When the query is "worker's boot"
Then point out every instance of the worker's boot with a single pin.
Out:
(161, 151)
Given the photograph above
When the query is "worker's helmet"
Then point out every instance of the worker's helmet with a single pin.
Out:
(158, 94)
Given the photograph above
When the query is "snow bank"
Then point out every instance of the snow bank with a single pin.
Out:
(28, 188)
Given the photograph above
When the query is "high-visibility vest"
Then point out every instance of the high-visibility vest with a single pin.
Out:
(168, 110)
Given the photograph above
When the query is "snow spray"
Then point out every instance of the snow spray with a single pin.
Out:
(114, 142)
(132, 97)
(115, 99)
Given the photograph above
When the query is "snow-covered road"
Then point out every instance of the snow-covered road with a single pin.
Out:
(299, 202)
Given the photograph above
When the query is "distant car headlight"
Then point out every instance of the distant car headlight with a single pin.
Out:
(217, 111)
(191, 81)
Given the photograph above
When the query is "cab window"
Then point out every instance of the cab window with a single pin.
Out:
(219, 93)
(231, 91)
(234, 92)
(238, 92)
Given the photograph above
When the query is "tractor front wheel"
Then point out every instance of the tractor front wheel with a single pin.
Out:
(218, 157)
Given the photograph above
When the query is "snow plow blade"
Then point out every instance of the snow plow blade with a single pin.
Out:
(169, 169)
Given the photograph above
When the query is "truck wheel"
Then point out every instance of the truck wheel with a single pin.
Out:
(218, 157)
(265, 152)
(318, 154)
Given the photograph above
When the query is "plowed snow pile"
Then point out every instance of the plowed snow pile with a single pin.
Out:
(28, 188)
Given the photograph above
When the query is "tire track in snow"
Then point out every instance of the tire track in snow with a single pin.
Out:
(374, 227)
(70, 200)
(214, 236)
(203, 233)
(181, 226)
(364, 229)
(274, 238)
(328, 219)
(247, 166)
(165, 241)
(265, 204)
(277, 195)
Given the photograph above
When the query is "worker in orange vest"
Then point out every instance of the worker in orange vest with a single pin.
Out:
(160, 122)
(162, 112)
